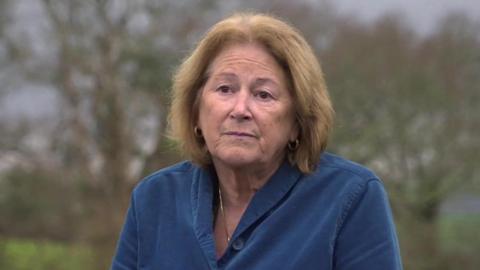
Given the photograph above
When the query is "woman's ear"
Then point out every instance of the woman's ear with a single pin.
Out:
(294, 134)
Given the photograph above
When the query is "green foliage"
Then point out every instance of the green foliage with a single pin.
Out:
(459, 234)
(150, 68)
(407, 106)
(404, 108)
(38, 203)
(44, 255)
(454, 239)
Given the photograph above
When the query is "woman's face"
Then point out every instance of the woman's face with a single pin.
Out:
(246, 111)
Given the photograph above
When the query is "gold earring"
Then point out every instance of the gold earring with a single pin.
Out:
(293, 145)
(197, 131)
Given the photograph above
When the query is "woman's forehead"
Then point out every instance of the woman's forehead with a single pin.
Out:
(246, 56)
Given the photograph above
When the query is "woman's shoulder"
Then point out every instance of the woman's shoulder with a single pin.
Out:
(338, 167)
(344, 182)
(175, 175)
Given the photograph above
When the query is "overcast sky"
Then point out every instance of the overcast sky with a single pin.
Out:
(422, 14)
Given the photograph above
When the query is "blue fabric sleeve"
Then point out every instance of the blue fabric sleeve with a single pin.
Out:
(366, 237)
(127, 247)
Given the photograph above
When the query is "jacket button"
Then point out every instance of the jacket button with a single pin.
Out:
(238, 244)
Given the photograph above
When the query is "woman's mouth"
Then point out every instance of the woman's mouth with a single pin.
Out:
(239, 134)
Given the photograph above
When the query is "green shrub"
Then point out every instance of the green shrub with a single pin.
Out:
(460, 235)
(44, 255)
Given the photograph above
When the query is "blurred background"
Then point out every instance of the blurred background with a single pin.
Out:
(84, 91)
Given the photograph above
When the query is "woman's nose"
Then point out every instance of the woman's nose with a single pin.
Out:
(241, 107)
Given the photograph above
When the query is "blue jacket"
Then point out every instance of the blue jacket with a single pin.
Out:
(335, 218)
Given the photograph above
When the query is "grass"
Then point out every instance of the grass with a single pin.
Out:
(459, 241)
(42, 255)
(460, 234)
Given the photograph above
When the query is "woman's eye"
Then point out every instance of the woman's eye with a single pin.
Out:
(224, 89)
(264, 95)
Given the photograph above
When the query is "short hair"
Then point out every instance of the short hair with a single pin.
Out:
(311, 103)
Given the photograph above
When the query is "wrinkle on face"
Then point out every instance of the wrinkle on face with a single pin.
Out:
(239, 125)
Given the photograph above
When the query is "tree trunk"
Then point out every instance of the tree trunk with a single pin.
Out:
(421, 240)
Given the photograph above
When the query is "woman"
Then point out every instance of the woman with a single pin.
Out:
(252, 113)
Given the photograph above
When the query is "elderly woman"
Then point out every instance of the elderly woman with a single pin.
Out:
(252, 114)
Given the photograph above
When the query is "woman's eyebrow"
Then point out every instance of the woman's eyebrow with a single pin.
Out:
(233, 77)
(263, 81)
(225, 75)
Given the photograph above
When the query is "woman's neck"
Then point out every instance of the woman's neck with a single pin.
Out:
(238, 185)
(236, 188)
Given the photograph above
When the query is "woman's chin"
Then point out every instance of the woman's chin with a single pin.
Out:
(238, 159)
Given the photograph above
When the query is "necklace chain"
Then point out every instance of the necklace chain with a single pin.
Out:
(223, 215)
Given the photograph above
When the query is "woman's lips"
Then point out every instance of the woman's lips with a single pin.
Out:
(239, 134)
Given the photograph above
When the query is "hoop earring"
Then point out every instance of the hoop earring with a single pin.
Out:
(198, 132)
(293, 145)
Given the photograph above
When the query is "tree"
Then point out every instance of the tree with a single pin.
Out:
(405, 107)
